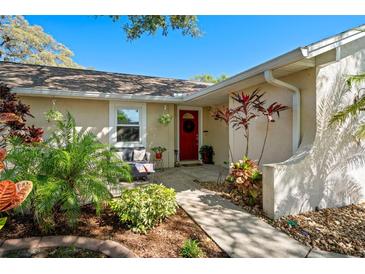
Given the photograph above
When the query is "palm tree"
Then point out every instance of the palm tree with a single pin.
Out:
(70, 169)
(355, 108)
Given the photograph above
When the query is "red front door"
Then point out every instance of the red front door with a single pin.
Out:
(189, 135)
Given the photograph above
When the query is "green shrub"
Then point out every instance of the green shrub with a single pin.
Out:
(191, 249)
(143, 207)
(68, 170)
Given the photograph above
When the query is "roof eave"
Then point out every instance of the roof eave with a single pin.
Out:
(95, 95)
(282, 60)
(333, 42)
(293, 56)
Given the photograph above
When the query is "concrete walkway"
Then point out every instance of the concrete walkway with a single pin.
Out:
(237, 232)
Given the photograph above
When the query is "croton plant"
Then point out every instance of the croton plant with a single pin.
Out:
(246, 177)
(13, 115)
(12, 194)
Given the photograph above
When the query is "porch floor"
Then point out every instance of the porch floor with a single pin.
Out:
(237, 232)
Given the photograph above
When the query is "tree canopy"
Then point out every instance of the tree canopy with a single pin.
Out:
(25, 43)
(207, 78)
(22, 42)
(137, 25)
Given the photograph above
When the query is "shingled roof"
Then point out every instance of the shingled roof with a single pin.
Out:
(83, 80)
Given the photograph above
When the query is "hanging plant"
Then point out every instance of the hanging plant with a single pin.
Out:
(53, 114)
(165, 118)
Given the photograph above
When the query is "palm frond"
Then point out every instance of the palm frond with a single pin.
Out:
(360, 133)
(352, 80)
(350, 110)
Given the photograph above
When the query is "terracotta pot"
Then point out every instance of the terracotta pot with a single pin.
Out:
(158, 155)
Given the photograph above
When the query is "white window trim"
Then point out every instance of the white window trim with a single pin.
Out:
(200, 131)
(113, 106)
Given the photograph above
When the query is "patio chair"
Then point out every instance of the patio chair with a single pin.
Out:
(140, 164)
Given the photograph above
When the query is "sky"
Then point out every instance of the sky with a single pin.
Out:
(229, 44)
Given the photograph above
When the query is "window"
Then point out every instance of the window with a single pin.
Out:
(128, 124)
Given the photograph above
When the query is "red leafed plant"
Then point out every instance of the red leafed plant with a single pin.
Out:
(13, 115)
(13, 194)
(250, 106)
(269, 112)
(222, 114)
(246, 111)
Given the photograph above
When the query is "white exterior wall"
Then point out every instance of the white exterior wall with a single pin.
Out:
(330, 172)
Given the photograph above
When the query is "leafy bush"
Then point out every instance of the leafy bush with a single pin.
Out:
(68, 170)
(247, 178)
(191, 249)
(143, 207)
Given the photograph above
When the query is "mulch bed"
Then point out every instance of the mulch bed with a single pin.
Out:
(340, 230)
(163, 241)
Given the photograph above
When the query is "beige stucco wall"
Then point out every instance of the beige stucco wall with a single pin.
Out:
(331, 171)
(93, 116)
(279, 142)
(215, 133)
(161, 135)
(90, 115)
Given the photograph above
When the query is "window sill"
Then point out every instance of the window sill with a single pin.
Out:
(128, 145)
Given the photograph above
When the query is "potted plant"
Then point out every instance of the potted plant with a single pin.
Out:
(206, 154)
(158, 152)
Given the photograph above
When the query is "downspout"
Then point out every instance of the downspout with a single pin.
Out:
(296, 105)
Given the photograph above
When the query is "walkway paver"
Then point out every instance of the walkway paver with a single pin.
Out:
(109, 248)
(237, 232)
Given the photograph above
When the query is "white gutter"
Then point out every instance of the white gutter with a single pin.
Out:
(296, 105)
(96, 95)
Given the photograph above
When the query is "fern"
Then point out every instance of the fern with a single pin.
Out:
(68, 170)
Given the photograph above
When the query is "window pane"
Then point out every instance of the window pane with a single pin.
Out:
(128, 116)
(127, 134)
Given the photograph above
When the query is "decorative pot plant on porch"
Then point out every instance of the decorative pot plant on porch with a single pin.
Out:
(206, 154)
(158, 152)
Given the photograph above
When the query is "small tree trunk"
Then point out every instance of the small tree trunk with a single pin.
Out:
(247, 140)
(230, 157)
(264, 144)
